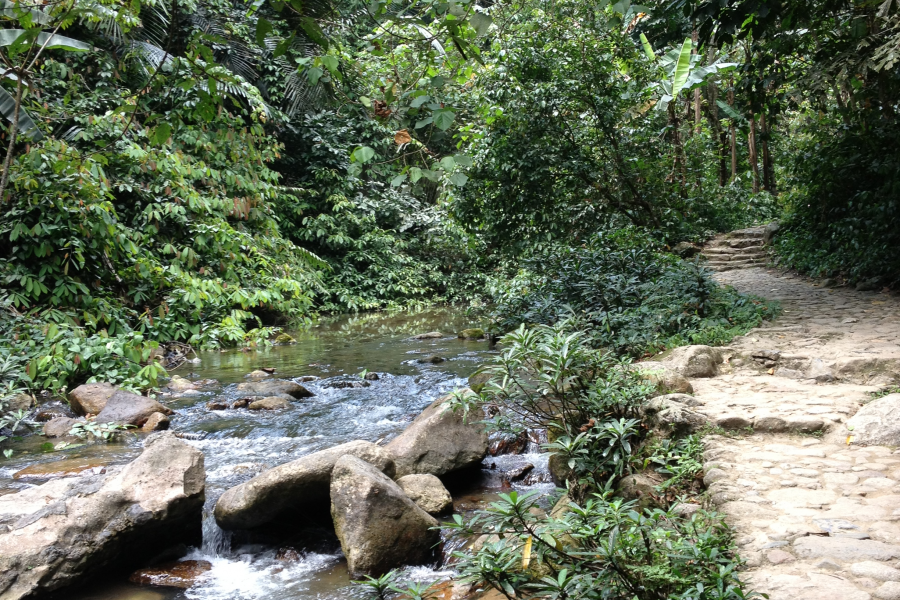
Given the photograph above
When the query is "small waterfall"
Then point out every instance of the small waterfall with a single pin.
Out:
(216, 541)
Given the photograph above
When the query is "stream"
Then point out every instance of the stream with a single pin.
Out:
(239, 444)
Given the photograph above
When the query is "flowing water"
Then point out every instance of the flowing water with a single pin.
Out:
(239, 444)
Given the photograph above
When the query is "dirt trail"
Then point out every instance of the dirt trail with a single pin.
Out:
(816, 517)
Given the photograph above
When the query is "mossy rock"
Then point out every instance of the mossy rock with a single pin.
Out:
(284, 338)
(477, 381)
(474, 333)
(558, 464)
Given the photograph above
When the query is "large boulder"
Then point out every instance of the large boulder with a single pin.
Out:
(877, 423)
(665, 379)
(298, 486)
(428, 492)
(126, 408)
(379, 526)
(274, 388)
(695, 361)
(438, 442)
(70, 529)
(91, 398)
(671, 412)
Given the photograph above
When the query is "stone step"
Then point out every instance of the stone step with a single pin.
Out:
(749, 233)
(734, 255)
(726, 250)
(741, 243)
(737, 260)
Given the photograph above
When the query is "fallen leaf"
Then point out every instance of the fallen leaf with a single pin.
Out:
(402, 137)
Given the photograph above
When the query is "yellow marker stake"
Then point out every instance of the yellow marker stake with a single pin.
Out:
(526, 553)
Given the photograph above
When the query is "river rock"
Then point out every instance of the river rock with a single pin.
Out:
(156, 422)
(69, 529)
(877, 423)
(431, 335)
(695, 361)
(66, 467)
(126, 408)
(299, 485)
(60, 426)
(273, 388)
(182, 574)
(379, 526)
(90, 398)
(666, 380)
(284, 338)
(438, 442)
(258, 374)
(428, 492)
(270, 403)
(475, 333)
(434, 359)
(179, 384)
(18, 402)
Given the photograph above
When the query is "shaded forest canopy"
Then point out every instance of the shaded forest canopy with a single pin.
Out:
(209, 171)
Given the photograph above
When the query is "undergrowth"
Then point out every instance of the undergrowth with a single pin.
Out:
(627, 295)
(592, 545)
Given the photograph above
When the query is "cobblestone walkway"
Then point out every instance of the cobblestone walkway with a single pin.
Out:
(816, 517)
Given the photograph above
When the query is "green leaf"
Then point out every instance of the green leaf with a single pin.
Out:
(448, 164)
(682, 68)
(443, 119)
(15, 11)
(419, 101)
(423, 122)
(263, 28)
(161, 134)
(330, 62)
(458, 179)
(480, 22)
(415, 174)
(648, 49)
(27, 126)
(365, 101)
(363, 154)
(314, 74)
(463, 160)
(53, 42)
(313, 31)
(398, 180)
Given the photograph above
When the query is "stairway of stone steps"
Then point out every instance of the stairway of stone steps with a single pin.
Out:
(739, 249)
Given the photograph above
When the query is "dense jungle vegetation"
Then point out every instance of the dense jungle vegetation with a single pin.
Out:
(211, 171)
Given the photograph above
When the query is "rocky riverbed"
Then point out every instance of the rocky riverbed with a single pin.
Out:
(364, 382)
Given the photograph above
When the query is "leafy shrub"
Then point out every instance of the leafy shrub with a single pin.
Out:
(628, 296)
(602, 549)
(844, 211)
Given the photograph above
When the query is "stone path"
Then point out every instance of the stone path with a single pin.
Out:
(815, 517)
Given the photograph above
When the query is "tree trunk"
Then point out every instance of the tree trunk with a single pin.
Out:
(751, 146)
(13, 131)
(732, 130)
(768, 166)
(678, 168)
(695, 35)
